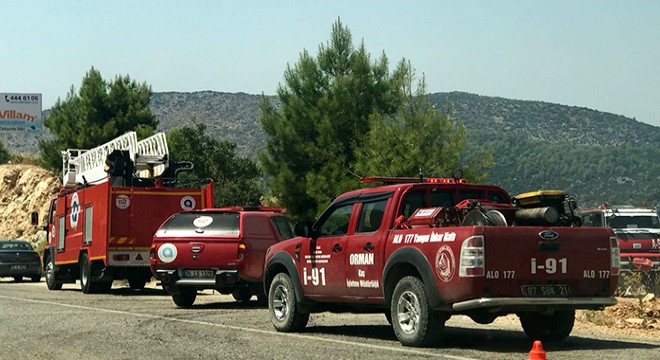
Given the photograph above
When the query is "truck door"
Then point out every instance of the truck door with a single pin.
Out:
(322, 267)
(364, 251)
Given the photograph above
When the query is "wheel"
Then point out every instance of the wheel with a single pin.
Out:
(35, 278)
(284, 311)
(553, 327)
(183, 297)
(51, 275)
(136, 283)
(18, 278)
(242, 295)
(414, 322)
(86, 284)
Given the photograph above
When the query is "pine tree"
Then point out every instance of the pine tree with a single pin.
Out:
(321, 118)
(419, 139)
(100, 111)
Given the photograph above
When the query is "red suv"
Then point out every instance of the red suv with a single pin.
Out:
(221, 249)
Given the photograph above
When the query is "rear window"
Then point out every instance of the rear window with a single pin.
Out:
(208, 224)
(15, 245)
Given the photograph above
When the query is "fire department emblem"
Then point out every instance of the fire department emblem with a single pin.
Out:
(122, 202)
(187, 203)
(445, 263)
(75, 211)
(167, 253)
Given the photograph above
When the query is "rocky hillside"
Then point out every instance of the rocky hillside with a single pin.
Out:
(24, 189)
(546, 122)
(231, 117)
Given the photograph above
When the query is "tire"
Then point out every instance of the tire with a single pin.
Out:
(184, 297)
(35, 278)
(414, 322)
(51, 275)
(86, 284)
(18, 278)
(136, 283)
(167, 289)
(283, 308)
(242, 295)
(554, 327)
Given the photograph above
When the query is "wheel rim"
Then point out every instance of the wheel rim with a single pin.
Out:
(407, 311)
(50, 272)
(280, 302)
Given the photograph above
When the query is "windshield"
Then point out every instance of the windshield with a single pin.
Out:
(634, 222)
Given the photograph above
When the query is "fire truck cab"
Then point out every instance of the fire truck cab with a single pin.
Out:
(114, 198)
(637, 230)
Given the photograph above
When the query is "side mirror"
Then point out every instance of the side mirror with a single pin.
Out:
(303, 228)
(34, 218)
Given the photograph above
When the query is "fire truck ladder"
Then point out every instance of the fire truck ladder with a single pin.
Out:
(152, 156)
(83, 166)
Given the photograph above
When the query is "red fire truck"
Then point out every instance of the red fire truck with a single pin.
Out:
(114, 198)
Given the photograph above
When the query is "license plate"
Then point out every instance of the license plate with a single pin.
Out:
(17, 267)
(203, 274)
(545, 290)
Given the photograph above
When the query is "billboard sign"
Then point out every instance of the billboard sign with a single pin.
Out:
(20, 112)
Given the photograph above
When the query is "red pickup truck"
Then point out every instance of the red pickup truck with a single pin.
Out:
(221, 249)
(422, 250)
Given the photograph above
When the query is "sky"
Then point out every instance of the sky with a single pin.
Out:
(598, 54)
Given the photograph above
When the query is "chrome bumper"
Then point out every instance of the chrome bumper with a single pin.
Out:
(521, 302)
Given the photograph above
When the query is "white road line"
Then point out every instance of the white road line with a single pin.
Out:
(258, 331)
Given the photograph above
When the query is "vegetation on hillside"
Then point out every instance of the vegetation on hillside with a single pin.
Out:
(625, 174)
(5, 156)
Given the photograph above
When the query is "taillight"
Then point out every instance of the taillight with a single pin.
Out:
(473, 258)
(152, 252)
(121, 257)
(615, 256)
(242, 250)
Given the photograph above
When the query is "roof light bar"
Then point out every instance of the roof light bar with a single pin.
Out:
(408, 180)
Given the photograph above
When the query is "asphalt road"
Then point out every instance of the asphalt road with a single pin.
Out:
(36, 323)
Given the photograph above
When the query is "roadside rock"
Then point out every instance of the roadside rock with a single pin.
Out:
(24, 189)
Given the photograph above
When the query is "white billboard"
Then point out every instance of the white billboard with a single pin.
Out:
(20, 112)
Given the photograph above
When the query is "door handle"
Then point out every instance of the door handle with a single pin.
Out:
(368, 247)
(337, 248)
